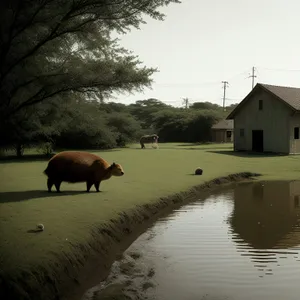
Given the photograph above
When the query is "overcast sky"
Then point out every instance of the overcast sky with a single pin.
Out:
(202, 43)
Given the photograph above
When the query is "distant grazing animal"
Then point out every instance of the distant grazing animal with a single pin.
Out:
(153, 138)
(79, 166)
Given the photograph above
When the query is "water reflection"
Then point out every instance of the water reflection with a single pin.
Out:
(224, 246)
(265, 222)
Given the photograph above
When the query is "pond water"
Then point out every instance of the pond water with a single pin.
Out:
(242, 243)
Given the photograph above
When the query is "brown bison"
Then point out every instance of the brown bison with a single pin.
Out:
(78, 166)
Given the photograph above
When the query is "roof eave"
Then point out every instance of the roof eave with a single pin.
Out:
(284, 102)
(258, 85)
(233, 113)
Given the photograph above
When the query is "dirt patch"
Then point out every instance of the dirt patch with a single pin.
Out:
(115, 291)
(135, 255)
(148, 285)
(69, 277)
(128, 279)
(151, 272)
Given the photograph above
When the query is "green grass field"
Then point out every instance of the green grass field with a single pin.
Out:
(149, 175)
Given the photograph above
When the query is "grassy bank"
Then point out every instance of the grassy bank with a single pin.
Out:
(74, 218)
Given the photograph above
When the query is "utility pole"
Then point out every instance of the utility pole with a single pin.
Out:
(225, 83)
(253, 76)
(186, 102)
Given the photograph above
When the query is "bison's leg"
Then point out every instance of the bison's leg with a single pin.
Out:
(88, 185)
(142, 145)
(57, 186)
(49, 184)
(97, 185)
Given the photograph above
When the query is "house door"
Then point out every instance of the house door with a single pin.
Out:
(258, 140)
(228, 136)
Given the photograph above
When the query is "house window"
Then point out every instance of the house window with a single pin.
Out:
(242, 132)
(296, 133)
(228, 134)
(260, 105)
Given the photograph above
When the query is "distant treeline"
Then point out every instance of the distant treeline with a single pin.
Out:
(77, 123)
(54, 55)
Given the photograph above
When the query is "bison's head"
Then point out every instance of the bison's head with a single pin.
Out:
(116, 170)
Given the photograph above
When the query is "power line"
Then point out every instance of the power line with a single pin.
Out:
(225, 83)
(253, 76)
(279, 70)
(185, 102)
(239, 74)
(256, 72)
(185, 84)
(199, 84)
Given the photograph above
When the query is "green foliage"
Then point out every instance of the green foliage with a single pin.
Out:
(86, 128)
(185, 125)
(45, 148)
(125, 127)
(32, 126)
(54, 47)
(113, 107)
(145, 111)
(59, 62)
(54, 54)
(171, 124)
(231, 107)
(199, 125)
(205, 105)
(77, 123)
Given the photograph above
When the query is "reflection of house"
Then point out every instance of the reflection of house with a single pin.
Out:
(222, 132)
(265, 222)
(268, 120)
(265, 214)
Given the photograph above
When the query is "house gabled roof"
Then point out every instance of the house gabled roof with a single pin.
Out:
(224, 124)
(288, 95)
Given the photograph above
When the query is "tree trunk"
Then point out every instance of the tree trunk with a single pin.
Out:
(19, 150)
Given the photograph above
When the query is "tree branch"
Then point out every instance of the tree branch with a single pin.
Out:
(9, 40)
(36, 78)
(53, 35)
(31, 101)
(38, 46)
(30, 21)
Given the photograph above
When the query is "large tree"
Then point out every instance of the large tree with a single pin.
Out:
(51, 47)
(145, 110)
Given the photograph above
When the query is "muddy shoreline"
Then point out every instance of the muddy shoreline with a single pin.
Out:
(70, 278)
